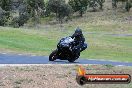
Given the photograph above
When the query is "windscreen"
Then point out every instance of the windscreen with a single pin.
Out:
(68, 40)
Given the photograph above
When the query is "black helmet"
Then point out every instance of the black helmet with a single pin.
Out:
(78, 31)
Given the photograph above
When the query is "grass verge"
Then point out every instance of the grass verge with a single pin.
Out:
(42, 42)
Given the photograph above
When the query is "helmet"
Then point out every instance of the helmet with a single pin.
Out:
(78, 31)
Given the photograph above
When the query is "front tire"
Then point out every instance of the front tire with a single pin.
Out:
(53, 55)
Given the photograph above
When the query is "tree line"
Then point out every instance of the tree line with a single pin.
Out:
(17, 12)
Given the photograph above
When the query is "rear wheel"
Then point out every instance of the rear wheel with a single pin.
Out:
(73, 58)
(53, 56)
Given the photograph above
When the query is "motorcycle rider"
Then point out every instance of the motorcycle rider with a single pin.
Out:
(79, 41)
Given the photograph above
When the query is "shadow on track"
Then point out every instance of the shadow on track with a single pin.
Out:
(62, 62)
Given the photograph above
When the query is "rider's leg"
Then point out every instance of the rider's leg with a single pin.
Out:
(84, 47)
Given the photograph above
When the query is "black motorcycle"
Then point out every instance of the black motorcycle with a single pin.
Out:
(64, 50)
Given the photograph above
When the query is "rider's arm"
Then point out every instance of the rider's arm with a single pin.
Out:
(73, 36)
(81, 43)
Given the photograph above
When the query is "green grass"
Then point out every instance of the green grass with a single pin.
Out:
(42, 42)
(21, 41)
(109, 47)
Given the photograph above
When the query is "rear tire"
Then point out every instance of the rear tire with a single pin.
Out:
(72, 59)
(53, 55)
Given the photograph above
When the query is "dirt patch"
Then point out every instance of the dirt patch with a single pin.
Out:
(55, 76)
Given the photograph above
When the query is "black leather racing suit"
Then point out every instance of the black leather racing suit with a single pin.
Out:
(79, 43)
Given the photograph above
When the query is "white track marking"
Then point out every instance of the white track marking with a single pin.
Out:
(19, 65)
(107, 60)
(33, 55)
(4, 53)
(120, 65)
(20, 54)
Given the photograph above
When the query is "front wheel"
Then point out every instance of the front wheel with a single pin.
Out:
(53, 56)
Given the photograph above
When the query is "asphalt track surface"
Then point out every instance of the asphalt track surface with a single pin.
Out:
(27, 59)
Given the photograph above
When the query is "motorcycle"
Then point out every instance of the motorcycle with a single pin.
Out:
(64, 50)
